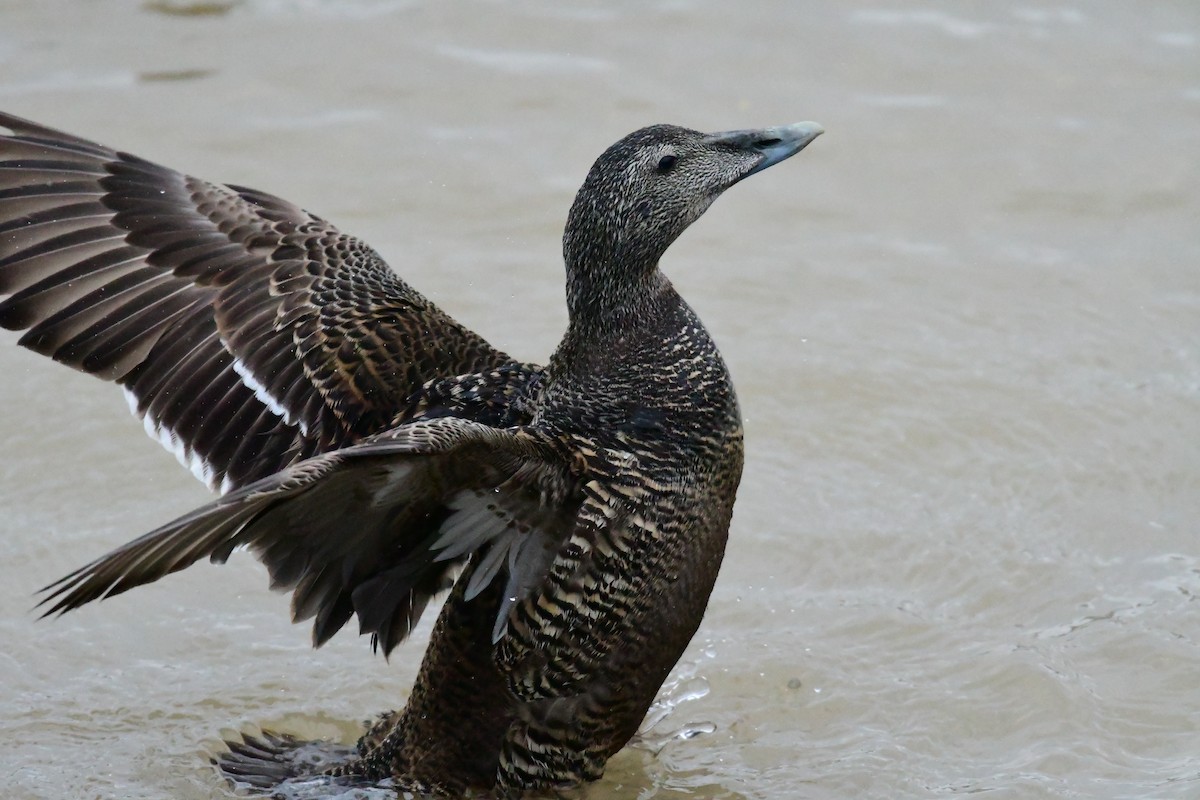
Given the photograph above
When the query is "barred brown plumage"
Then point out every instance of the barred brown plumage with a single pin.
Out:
(368, 446)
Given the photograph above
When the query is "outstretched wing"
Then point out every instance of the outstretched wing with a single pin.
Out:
(247, 333)
(374, 529)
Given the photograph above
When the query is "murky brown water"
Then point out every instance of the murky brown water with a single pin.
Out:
(965, 326)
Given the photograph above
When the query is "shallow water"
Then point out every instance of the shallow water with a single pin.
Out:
(965, 328)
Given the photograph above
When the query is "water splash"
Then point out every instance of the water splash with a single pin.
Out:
(284, 767)
(685, 685)
(332, 789)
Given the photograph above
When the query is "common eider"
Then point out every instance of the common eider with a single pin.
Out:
(371, 451)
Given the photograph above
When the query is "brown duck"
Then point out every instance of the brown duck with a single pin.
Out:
(372, 452)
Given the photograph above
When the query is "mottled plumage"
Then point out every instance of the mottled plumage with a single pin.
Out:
(370, 448)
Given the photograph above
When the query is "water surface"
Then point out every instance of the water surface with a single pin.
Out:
(964, 326)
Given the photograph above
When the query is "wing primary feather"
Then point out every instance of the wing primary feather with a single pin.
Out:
(144, 560)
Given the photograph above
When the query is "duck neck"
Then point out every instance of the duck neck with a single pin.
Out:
(614, 307)
(611, 297)
(611, 275)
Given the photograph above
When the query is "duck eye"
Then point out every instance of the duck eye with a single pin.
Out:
(666, 163)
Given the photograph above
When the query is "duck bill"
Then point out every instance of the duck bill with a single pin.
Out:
(772, 144)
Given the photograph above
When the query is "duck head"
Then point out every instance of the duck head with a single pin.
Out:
(645, 190)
